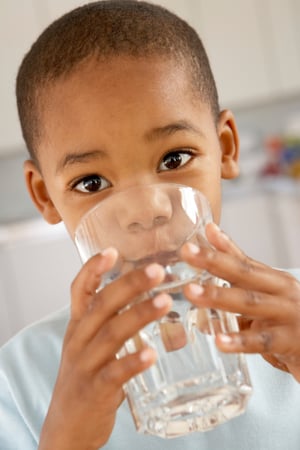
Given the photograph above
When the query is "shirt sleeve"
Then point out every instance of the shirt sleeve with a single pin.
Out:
(14, 433)
(295, 273)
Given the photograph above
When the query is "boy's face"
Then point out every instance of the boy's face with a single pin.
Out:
(124, 122)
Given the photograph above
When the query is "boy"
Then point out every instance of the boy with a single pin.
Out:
(112, 95)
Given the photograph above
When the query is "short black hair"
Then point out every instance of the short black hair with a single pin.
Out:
(101, 30)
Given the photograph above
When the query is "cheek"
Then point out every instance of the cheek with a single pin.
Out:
(69, 215)
(210, 186)
(214, 195)
(212, 191)
(70, 223)
(216, 209)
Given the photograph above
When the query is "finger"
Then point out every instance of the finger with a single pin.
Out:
(249, 303)
(87, 281)
(115, 374)
(240, 272)
(122, 327)
(273, 340)
(117, 295)
(275, 362)
(222, 242)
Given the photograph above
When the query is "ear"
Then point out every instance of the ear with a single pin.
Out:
(39, 194)
(229, 141)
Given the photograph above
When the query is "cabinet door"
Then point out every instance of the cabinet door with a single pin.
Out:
(19, 27)
(43, 286)
(231, 32)
(188, 10)
(38, 268)
(282, 36)
(53, 9)
(253, 222)
(288, 205)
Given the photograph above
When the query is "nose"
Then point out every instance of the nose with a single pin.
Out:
(147, 208)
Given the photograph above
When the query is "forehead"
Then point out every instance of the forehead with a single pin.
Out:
(116, 98)
(124, 79)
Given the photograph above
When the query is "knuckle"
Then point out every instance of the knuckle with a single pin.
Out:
(118, 372)
(141, 312)
(135, 281)
(83, 282)
(242, 340)
(213, 292)
(71, 351)
(107, 333)
(266, 339)
(211, 257)
(109, 376)
(252, 298)
(246, 265)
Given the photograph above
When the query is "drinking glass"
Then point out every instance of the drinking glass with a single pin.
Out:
(193, 386)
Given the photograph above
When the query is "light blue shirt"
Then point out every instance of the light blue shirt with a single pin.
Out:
(28, 369)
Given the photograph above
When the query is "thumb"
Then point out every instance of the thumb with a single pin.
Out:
(86, 283)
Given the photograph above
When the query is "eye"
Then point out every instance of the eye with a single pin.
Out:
(90, 184)
(175, 159)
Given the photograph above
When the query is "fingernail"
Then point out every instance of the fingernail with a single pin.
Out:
(162, 300)
(215, 226)
(110, 251)
(225, 339)
(224, 236)
(147, 355)
(153, 270)
(193, 248)
(221, 232)
(196, 289)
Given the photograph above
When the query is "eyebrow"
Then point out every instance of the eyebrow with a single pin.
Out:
(75, 158)
(172, 128)
(154, 133)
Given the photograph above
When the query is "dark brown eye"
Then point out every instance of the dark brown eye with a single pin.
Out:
(91, 183)
(173, 160)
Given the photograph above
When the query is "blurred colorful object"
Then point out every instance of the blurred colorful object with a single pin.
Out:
(283, 156)
(290, 157)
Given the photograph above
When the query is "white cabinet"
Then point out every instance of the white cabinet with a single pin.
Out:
(232, 37)
(253, 46)
(38, 264)
(282, 38)
(246, 220)
(188, 10)
(53, 9)
(18, 29)
(289, 216)
(265, 225)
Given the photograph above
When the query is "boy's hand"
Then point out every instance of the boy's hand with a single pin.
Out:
(88, 389)
(267, 299)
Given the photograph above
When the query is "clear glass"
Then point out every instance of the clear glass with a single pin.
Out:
(193, 386)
